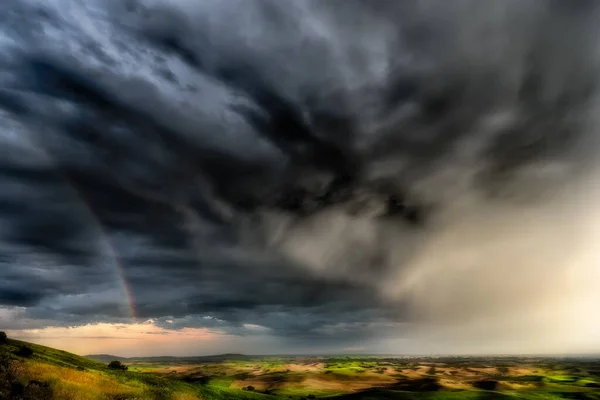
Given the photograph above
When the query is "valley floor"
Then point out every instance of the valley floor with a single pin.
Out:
(32, 372)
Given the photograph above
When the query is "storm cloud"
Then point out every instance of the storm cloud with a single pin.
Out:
(340, 169)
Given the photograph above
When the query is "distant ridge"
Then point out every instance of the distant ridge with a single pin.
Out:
(217, 357)
(104, 357)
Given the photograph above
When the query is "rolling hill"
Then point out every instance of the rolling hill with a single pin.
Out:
(33, 372)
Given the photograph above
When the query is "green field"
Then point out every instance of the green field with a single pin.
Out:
(47, 374)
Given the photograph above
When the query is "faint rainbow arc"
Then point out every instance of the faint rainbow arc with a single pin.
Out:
(108, 248)
(111, 253)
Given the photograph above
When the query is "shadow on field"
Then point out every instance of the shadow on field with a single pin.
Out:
(383, 394)
(429, 388)
(416, 385)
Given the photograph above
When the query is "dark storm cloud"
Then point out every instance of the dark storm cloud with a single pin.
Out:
(269, 162)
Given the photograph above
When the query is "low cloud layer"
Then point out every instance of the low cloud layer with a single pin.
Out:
(329, 172)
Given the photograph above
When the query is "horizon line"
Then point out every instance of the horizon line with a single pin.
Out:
(393, 355)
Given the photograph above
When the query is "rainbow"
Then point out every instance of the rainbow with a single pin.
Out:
(110, 252)
(107, 247)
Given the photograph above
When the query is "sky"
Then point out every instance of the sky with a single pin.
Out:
(300, 177)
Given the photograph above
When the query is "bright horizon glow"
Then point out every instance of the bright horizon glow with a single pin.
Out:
(134, 339)
(148, 340)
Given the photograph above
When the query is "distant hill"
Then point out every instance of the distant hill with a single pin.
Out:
(105, 358)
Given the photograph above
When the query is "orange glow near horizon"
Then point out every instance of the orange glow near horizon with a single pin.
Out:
(136, 339)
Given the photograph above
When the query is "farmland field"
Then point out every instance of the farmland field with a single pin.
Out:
(44, 373)
(373, 377)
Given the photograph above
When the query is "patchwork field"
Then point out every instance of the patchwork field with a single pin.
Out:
(42, 373)
(390, 377)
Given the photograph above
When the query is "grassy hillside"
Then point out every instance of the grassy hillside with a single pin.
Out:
(49, 374)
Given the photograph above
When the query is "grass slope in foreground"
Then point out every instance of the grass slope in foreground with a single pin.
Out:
(44, 373)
